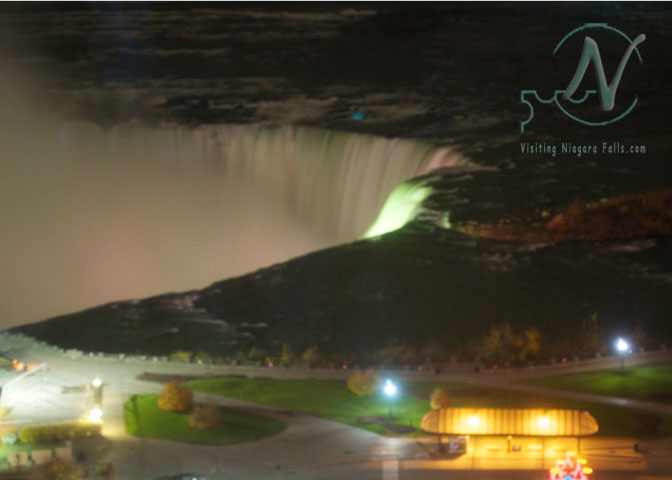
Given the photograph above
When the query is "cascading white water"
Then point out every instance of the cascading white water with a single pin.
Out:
(335, 182)
(332, 182)
(90, 216)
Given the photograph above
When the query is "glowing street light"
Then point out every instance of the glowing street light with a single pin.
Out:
(623, 347)
(390, 390)
(97, 392)
(96, 415)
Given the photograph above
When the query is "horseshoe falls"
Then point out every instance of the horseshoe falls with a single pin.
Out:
(132, 211)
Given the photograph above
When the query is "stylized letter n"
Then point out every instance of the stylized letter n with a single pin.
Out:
(591, 53)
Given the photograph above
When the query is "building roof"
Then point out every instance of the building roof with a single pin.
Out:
(509, 421)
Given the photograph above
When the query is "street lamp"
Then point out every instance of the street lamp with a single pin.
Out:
(96, 415)
(97, 392)
(623, 347)
(390, 389)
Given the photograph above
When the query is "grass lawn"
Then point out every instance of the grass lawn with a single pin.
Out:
(323, 398)
(649, 383)
(145, 419)
(331, 399)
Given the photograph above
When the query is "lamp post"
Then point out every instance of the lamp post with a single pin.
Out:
(623, 347)
(97, 392)
(96, 413)
(390, 390)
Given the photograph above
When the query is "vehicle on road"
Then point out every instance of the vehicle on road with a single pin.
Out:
(184, 476)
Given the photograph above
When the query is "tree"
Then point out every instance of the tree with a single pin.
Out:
(491, 347)
(176, 397)
(435, 351)
(257, 354)
(203, 357)
(312, 356)
(287, 357)
(575, 215)
(364, 384)
(639, 337)
(504, 345)
(530, 345)
(440, 399)
(499, 345)
(205, 417)
(590, 341)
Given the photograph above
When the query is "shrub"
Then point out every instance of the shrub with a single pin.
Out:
(44, 434)
(203, 357)
(104, 468)
(87, 429)
(395, 355)
(205, 417)
(439, 398)
(10, 439)
(6, 364)
(364, 384)
(176, 397)
(59, 469)
(182, 356)
(28, 435)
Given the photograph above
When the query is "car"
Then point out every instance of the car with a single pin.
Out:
(184, 476)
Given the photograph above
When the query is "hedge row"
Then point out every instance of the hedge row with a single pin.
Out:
(42, 434)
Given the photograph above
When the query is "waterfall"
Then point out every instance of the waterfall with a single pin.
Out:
(93, 215)
(403, 204)
(333, 181)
